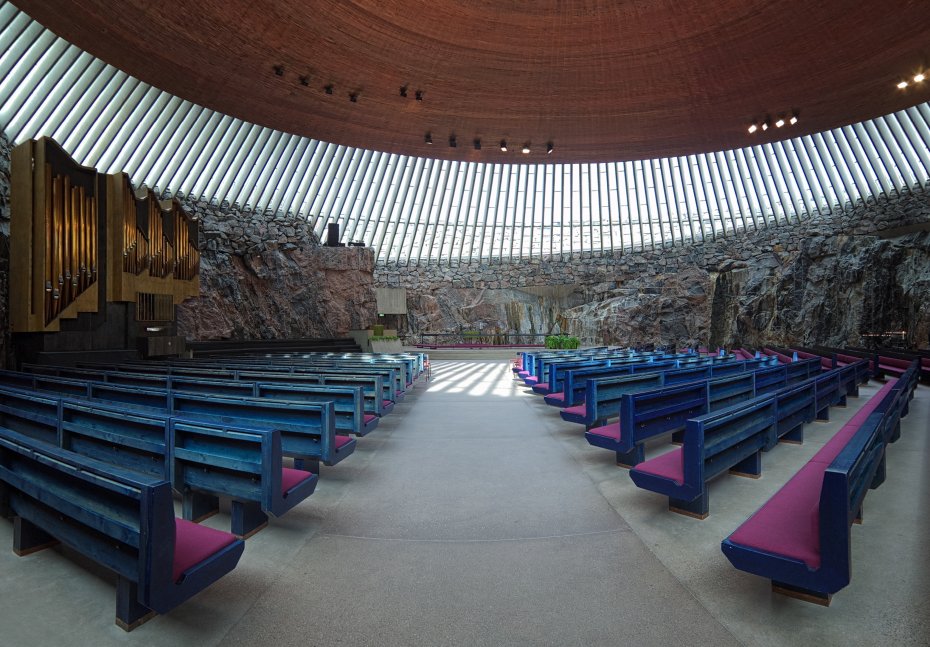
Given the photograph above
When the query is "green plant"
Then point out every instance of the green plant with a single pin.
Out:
(562, 341)
(378, 330)
(384, 338)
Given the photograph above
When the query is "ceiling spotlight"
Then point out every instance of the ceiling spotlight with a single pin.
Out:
(418, 95)
(403, 90)
(328, 89)
(305, 81)
(504, 145)
(353, 97)
(902, 85)
(549, 148)
(477, 143)
(753, 128)
(920, 77)
(526, 148)
(278, 70)
(428, 138)
(779, 123)
(452, 142)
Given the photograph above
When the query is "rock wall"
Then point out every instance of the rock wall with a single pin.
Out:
(266, 276)
(5, 154)
(827, 279)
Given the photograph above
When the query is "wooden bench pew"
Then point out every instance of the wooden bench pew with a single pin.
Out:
(372, 386)
(575, 381)
(307, 429)
(119, 519)
(246, 461)
(731, 439)
(800, 539)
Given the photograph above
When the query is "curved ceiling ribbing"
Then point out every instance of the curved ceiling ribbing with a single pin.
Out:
(416, 209)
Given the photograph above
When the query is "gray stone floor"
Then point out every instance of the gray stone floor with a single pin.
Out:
(475, 516)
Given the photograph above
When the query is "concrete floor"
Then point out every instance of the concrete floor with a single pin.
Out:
(475, 516)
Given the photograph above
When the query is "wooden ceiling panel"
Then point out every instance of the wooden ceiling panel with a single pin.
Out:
(603, 80)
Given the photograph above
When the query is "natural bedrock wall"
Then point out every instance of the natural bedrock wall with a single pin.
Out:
(825, 280)
(266, 276)
(5, 150)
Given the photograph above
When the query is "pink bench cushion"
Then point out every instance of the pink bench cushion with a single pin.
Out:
(194, 543)
(290, 478)
(578, 410)
(342, 440)
(556, 397)
(608, 431)
(789, 523)
(531, 379)
(668, 465)
(369, 417)
(386, 403)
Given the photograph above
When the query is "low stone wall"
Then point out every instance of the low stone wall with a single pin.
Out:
(825, 279)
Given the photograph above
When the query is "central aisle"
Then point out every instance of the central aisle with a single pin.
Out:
(462, 521)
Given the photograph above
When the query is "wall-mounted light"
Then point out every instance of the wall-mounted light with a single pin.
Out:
(278, 70)
(753, 128)
(779, 123)
(504, 145)
(919, 77)
(328, 89)
(403, 90)
(452, 142)
(526, 148)
(353, 97)
(794, 118)
(477, 143)
(418, 95)
(305, 81)
(428, 138)
(549, 148)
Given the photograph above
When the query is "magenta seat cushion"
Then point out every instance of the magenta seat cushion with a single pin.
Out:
(194, 543)
(290, 478)
(578, 410)
(369, 417)
(531, 379)
(386, 403)
(789, 524)
(608, 431)
(556, 397)
(342, 440)
(668, 465)
(835, 445)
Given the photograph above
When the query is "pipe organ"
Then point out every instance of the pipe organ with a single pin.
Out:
(81, 240)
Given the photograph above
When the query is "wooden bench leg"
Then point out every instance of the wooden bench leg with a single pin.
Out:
(633, 457)
(307, 465)
(197, 506)
(751, 466)
(798, 593)
(794, 437)
(129, 613)
(824, 414)
(879, 477)
(678, 438)
(247, 518)
(28, 538)
(698, 508)
(896, 433)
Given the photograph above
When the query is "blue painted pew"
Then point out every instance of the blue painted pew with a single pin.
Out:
(239, 463)
(121, 520)
(729, 439)
(307, 429)
(800, 539)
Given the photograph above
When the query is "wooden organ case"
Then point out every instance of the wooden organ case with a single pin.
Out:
(97, 263)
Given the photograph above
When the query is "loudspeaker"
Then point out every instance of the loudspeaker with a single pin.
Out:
(332, 235)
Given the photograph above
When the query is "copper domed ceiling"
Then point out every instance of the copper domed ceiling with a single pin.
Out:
(600, 80)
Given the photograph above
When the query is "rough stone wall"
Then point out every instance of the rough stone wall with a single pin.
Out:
(827, 279)
(265, 276)
(5, 154)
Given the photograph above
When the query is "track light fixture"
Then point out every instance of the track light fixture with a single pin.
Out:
(428, 138)
(504, 145)
(549, 148)
(477, 143)
(526, 148)
(328, 89)
(753, 128)
(403, 90)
